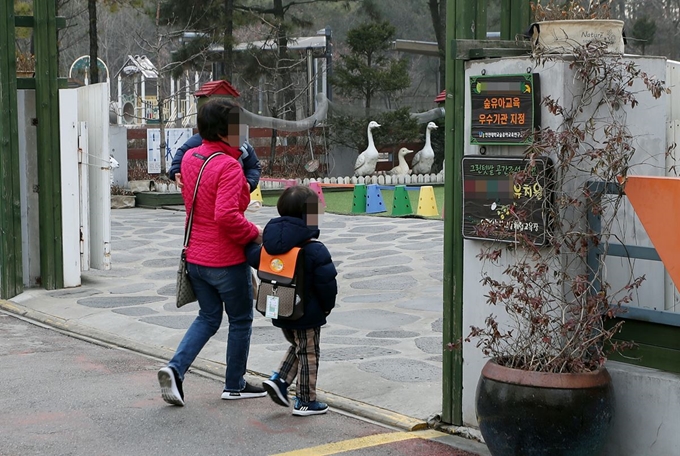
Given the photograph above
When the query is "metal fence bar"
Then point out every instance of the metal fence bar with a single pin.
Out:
(598, 189)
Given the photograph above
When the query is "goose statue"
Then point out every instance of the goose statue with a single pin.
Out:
(423, 160)
(366, 161)
(402, 167)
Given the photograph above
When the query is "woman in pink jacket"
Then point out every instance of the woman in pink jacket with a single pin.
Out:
(217, 266)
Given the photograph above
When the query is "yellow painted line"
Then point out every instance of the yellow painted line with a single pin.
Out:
(362, 442)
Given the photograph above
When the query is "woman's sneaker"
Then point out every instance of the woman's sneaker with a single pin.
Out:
(248, 392)
(277, 389)
(309, 408)
(171, 386)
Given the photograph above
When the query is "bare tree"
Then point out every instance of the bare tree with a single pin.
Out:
(94, 48)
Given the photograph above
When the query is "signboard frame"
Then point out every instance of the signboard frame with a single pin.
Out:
(498, 103)
(493, 178)
(174, 138)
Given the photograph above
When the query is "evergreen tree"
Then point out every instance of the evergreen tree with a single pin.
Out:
(368, 70)
(643, 31)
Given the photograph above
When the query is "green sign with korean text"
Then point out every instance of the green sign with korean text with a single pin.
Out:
(504, 110)
(505, 197)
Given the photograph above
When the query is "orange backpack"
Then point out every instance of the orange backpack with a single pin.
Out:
(280, 294)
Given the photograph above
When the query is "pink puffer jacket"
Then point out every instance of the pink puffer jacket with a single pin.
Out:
(220, 229)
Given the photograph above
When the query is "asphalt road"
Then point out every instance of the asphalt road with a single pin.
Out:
(61, 395)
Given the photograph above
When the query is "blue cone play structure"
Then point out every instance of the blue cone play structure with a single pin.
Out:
(374, 200)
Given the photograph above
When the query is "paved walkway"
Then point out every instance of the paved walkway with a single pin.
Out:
(381, 348)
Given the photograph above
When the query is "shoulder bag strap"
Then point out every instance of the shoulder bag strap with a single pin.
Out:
(190, 220)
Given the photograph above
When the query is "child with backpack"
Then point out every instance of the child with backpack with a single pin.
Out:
(297, 226)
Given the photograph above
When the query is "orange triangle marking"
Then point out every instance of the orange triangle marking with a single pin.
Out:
(656, 201)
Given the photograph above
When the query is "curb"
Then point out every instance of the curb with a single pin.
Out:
(205, 367)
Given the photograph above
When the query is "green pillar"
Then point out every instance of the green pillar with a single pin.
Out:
(11, 277)
(515, 18)
(49, 163)
(464, 20)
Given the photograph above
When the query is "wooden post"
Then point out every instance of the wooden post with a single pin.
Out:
(11, 274)
(49, 163)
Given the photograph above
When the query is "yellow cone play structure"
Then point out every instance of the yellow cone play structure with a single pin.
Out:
(256, 194)
(427, 205)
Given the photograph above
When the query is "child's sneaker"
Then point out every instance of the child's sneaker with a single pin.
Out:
(248, 392)
(277, 389)
(309, 408)
(171, 386)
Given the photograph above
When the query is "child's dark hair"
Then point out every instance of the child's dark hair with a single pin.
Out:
(216, 117)
(297, 201)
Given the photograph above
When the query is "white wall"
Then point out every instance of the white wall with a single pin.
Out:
(70, 191)
(118, 144)
(646, 416)
(93, 108)
(635, 427)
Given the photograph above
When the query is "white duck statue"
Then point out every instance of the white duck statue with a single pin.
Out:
(423, 160)
(366, 161)
(402, 168)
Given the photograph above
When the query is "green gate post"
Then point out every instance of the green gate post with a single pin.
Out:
(515, 18)
(11, 275)
(49, 161)
(464, 20)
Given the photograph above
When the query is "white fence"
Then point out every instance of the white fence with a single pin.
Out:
(382, 179)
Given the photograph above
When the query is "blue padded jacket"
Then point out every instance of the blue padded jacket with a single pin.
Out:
(249, 161)
(321, 287)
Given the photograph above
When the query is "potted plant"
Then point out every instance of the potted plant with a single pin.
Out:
(561, 25)
(25, 65)
(139, 180)
(545, 389)
(121, 198)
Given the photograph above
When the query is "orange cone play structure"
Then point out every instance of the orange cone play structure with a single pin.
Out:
(656, 201)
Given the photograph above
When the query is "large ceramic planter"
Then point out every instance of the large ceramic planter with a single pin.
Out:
(524, 413)
(562, 36)
(122, 201)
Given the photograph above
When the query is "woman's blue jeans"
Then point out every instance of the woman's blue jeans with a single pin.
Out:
(227, 289)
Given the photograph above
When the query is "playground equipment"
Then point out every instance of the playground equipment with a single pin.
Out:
(374, 200)
(402, 203)
(317, 188)
(256, 195)
(369, 200)
(359, 199)
(427, 206)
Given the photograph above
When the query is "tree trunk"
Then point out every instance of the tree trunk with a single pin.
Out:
(272, 153)
(286, 107)
(159, 91)
(228, 40)
(94, 69)
(369, 94)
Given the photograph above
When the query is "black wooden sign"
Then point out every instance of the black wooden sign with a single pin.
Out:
(504, 109)
(505, 196)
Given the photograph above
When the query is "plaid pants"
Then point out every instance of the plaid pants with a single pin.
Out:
(302, 361)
